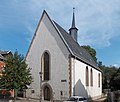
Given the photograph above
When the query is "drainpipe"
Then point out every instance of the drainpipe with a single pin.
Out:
(40, 74)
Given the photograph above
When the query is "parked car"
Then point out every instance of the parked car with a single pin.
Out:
(77, 99)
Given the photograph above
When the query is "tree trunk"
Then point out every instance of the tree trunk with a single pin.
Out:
(15, 94)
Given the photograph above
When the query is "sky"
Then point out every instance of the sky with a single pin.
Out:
(98, 22)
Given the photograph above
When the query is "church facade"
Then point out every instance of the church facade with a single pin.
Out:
(60, 67)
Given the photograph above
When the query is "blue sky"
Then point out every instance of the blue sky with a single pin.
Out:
(98, 22)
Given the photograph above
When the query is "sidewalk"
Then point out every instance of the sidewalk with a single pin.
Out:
(33, 100)
(19, 100)
(100, 99)
(25, 100)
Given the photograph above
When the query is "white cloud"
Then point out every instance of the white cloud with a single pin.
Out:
(98, 24)
(115, 65)
(97, 20)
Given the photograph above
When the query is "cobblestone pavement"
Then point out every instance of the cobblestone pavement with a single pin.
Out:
(100, 100)
(27, 101)
(32, 100)
(3, 100)
(19, 100)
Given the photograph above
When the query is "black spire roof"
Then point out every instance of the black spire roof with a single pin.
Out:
(73, 30)
(73, 20)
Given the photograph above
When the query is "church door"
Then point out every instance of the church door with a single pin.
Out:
(46, 93)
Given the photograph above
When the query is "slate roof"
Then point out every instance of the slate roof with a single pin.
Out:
(75, 49)
(1, 57)
(3, 52)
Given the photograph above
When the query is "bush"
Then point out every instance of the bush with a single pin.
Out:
(1, 96)
(4, 94)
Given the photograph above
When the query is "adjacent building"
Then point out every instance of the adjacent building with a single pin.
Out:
(3, 55)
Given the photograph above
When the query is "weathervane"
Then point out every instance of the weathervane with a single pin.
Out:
(73, 9)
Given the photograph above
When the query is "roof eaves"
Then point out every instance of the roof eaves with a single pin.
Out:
(44, 12)
(4, 52)
(74, 54)
(1, 57)
(81, 59)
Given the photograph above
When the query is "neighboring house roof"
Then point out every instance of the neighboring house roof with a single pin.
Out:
(1, 57)
(4, 52)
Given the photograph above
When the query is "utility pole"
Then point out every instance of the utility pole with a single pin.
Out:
(109, 93)
(40, 74)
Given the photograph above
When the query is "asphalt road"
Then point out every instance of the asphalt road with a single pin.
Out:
(3, 100)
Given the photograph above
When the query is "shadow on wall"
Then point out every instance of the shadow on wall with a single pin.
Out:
(79, 89)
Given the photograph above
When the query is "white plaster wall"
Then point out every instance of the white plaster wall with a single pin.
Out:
(79, 80)
(48, 39)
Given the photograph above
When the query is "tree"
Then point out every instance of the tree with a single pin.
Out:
(15, 75)
(91, 51)
(99, 63)
(113, 75)
(115, 80)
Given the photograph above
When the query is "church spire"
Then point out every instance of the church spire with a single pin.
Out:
(73, 20)
(73, 30)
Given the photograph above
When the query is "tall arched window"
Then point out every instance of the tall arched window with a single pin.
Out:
(87, 76)
(91, 78)
(99, 80)
(45, 66)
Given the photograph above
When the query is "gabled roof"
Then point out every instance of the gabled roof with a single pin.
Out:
(76, 50)
(1, 57)
(4, 52)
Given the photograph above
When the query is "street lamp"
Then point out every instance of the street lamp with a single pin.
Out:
(40, 73)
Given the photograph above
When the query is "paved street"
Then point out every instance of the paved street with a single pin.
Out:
(18, 101)
(100, 100)
(32, 100)
(38, 101)
(21, 100)
(3, 100)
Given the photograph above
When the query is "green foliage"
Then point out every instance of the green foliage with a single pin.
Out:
(115, 80)
(91, 51)
(99, 63)
(113, 75)
(15, 75)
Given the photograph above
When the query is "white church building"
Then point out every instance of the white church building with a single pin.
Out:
(60, 67)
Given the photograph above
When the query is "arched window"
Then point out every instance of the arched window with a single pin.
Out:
(99, 80)
(45, 66)
(87, 76)
(91, 78)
